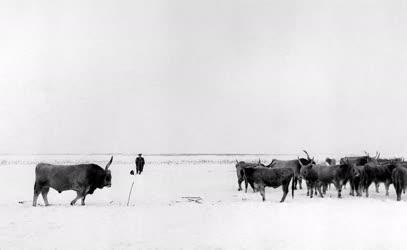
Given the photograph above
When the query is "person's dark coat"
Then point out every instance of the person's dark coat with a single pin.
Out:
(139, 164)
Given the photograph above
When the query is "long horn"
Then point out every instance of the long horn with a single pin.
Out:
(377, 155)
(309, 158)
(109, 163)
(299, 161)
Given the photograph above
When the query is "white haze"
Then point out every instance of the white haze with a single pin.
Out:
(203, 76)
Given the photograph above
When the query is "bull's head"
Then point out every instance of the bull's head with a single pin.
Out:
(354, 172)
(108, 175)
(309, 158)
(305, 167)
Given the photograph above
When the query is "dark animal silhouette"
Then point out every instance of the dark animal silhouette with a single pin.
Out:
(295, 165)
(262, 177)
(239, 172)
(82, 178)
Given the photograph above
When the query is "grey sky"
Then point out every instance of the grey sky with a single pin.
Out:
(203, 76)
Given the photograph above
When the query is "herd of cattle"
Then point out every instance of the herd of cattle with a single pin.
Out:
(359, 171)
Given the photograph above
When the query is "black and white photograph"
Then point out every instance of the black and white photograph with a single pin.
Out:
(228, 124)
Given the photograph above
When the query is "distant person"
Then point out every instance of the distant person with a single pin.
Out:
(139, 164)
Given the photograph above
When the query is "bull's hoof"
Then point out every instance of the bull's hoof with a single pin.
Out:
(72, 203)
(239, 189)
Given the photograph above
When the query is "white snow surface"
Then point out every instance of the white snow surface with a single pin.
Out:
(160, 218)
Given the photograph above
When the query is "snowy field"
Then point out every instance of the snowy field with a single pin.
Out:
(160, 218)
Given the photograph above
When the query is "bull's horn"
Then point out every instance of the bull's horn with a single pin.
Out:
(109, 163)
(309, 158)
(367, 154)
(299, 161)
(259, 161)
(237, 161)
(377, 155)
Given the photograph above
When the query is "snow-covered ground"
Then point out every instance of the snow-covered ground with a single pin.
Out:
(159, 216)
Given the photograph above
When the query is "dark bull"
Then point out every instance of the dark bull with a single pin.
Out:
(82, 178)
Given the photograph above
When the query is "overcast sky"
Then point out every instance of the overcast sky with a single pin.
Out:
(203, 76)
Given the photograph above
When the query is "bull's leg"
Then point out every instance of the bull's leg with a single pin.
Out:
(262, 190)
(239, 183)
(357, 188)
(84, 196)
(78, 196)
(300, 182)
(352, 188)
(252, 186)
(285, 191)
(367, 188)
(377, 186)
(398, 189)
(295, 180)
(308, 187)
(44, 193)
(387, 185)
(311, 187)
(83, 200)
(319, 189)
(245, 186)
(338, 186)
(37, 191)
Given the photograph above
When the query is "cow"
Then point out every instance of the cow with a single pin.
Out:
(399, 178)
(322, 175)
(375, 172)
(239, 171)
(295, 165)
(82, 178)
(356, 180)
(310, 178)
(262, 177)
(382, 161)
(358, 161)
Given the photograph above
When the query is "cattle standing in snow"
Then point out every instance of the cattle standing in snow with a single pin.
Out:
(239, 171)
(262, 177)
(295, 165)
(311, 178)
(82, 178)
(375, 172)
(356, 180)
(328, 174)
